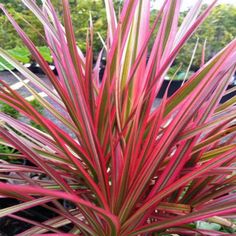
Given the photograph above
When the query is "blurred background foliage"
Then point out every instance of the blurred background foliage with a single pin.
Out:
(80, 10)
(219, 29)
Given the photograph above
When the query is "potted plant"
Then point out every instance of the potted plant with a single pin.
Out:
(130, 169)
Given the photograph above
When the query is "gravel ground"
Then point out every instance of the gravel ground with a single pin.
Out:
(10, 80)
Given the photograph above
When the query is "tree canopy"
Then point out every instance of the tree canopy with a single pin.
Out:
(218, 30)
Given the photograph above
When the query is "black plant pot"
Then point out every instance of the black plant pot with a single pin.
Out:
(35, 68)
(176, 84)
(10, 226)
(228, 96)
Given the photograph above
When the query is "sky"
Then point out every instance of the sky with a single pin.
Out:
(187, 3)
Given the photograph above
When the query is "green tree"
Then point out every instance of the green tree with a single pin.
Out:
(81, 15)
(80, 11)
(26, 20)
(218, 29)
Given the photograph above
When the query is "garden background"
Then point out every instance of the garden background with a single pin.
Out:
(218, 29)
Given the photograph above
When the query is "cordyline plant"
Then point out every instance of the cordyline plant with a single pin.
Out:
(125, 167)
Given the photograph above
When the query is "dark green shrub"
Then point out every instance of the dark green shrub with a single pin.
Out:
(4, 149)
(7, 109)
(35, 103)
(6, 154)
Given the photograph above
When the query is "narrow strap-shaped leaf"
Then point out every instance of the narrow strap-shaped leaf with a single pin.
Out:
(182, 181)
(111, 19)
(201, 214)
(108, 217)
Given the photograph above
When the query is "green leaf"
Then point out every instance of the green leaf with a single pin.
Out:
(207, 225)
(4, 65)
(20, 54)
(46, 54)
